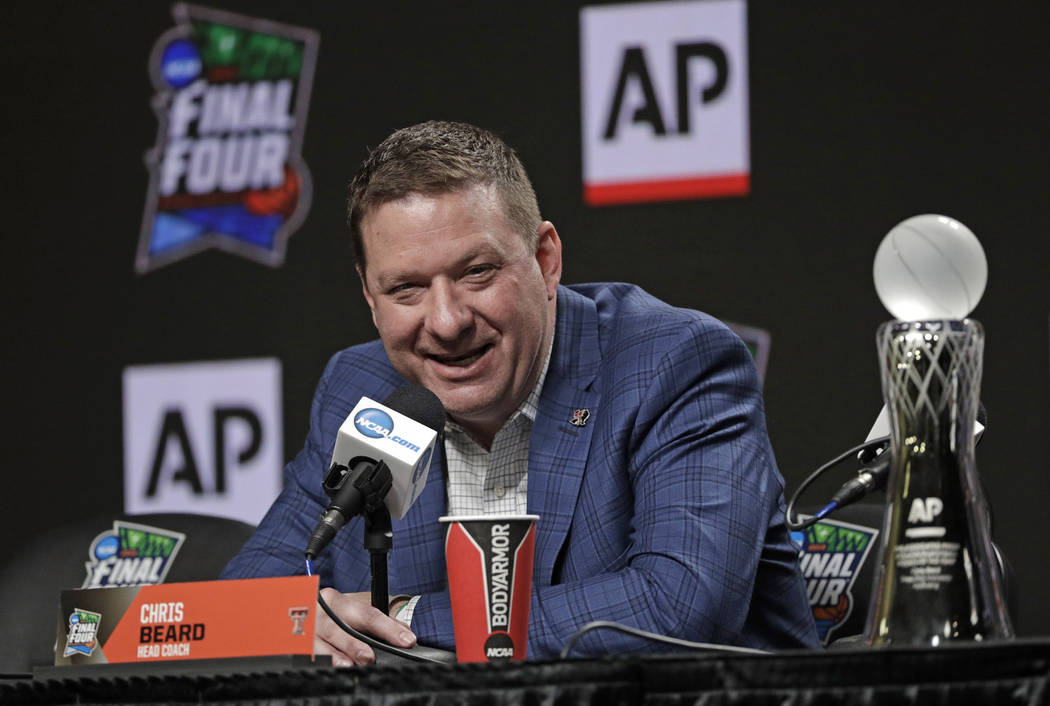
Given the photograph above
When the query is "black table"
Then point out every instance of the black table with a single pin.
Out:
(1016, 672)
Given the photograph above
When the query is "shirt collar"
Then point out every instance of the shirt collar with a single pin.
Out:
(531, 404)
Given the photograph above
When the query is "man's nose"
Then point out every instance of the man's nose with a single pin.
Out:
(449, 316)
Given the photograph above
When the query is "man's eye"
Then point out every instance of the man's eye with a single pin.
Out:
(480, 271)
(402, 289)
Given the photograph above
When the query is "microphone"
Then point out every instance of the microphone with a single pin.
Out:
(877, 463)
(382, 455)
(873, 477)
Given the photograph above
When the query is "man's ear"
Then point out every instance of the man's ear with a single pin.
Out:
(548, 255)
(368, 295)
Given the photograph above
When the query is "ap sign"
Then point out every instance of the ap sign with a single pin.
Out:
(203, 438)
(665, 101)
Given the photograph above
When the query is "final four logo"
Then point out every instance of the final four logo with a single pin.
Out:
(227, 170)
(82, 637)
(131, 555)
(833, 553)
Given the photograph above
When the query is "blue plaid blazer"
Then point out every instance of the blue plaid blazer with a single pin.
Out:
(664, 512)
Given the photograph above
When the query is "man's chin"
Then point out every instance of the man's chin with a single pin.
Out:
(465, 409)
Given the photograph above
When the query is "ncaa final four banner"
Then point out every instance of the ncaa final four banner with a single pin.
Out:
(227, 171)
(833, 557)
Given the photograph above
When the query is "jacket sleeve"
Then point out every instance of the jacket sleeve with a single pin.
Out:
(278, 544)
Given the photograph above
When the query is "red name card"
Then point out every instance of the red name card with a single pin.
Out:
(176, 621)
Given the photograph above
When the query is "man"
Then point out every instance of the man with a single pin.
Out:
(634, 430)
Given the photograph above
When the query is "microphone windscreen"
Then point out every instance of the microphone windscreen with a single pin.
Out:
(418, 403)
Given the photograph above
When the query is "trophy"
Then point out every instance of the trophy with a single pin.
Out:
(939, 579)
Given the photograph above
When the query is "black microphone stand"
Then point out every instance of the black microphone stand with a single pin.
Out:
(379, 538)
(359, 488)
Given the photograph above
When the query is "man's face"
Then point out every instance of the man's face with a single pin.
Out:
(463, 307)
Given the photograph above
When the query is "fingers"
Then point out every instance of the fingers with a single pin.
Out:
(355, 610)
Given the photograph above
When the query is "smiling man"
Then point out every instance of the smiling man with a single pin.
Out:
(635, 430)
(464, 305)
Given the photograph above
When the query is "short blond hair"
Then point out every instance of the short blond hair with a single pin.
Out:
(438, 157)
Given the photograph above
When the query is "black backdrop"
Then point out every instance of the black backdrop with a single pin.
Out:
(862, 114)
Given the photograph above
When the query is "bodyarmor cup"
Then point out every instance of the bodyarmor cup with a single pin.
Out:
(939, 579)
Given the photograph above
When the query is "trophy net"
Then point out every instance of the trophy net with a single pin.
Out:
(939, 578)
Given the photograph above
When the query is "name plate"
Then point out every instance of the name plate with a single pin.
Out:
(196, 620)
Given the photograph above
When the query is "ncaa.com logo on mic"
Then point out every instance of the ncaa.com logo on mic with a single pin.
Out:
(376, 424)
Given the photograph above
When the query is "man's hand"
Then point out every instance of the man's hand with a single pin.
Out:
(355, 609)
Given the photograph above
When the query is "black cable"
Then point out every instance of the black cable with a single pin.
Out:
(793, 522)
(605, 624)
(376, 644)
(360, 635)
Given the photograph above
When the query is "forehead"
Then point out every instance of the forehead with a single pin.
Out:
(473, 217)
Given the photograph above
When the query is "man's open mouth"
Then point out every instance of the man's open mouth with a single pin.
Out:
(461, 360)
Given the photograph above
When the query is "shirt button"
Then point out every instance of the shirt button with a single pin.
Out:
(499, 491)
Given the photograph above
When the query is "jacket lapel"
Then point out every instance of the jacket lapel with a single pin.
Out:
(558, 448)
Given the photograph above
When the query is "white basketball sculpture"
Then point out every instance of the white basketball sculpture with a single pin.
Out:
(938, 579)
(930, 267)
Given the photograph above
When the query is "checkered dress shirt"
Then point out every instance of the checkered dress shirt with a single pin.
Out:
(491, 482)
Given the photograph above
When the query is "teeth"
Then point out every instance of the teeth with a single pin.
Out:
(459, 360)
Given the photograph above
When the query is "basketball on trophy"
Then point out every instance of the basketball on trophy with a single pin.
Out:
(930, 267)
